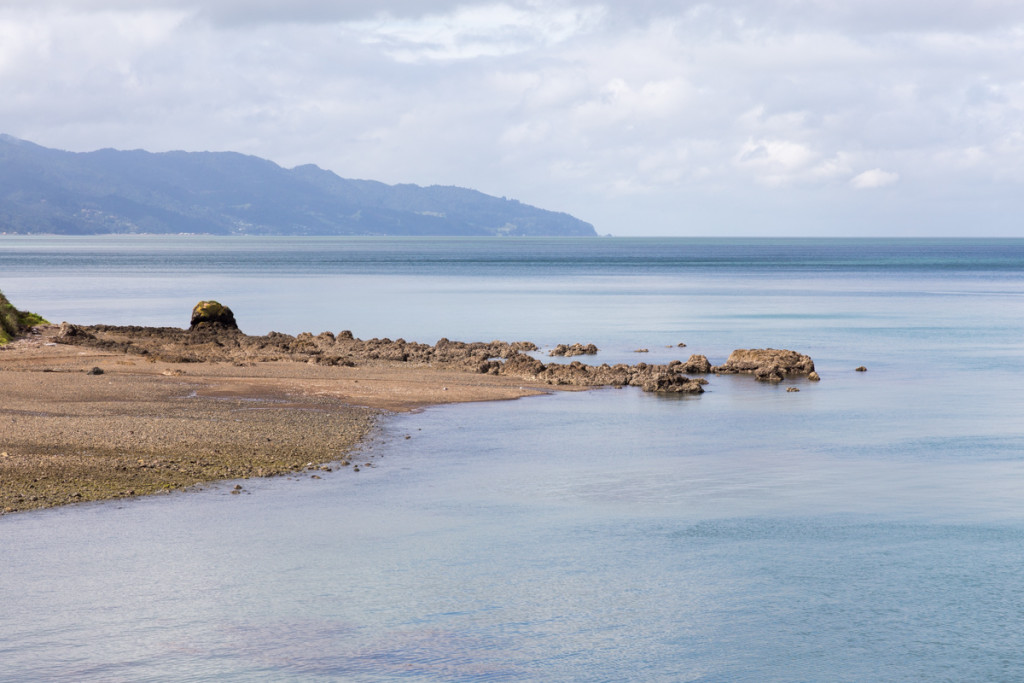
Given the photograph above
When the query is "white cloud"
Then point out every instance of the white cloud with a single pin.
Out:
(876, 177)
(469, 32)
(600, 108)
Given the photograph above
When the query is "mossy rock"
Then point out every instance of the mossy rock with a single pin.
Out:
(212, 315)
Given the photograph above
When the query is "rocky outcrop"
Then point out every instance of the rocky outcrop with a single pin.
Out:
(652, 378)
(767, 365)
(496, 357)
(673, 383)
(68, 332)
(573, 350)
(212, 315)
(696, 365)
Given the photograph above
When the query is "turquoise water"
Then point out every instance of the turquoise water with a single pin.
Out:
(869, 527)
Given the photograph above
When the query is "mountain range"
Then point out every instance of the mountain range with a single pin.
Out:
(46, 190)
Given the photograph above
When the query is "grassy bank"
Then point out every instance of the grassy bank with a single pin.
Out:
(13, 322)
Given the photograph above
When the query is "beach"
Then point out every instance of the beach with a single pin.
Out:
(144, 425)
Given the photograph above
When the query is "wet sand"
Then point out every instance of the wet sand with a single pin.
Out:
(147, 424)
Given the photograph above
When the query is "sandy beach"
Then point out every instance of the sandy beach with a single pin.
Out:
(146, 424)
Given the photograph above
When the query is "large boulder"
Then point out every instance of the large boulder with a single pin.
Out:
(770, 365)
(212, 315)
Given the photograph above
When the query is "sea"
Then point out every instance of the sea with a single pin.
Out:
(869, 527)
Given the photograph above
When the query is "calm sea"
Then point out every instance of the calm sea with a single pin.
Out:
(867, 528)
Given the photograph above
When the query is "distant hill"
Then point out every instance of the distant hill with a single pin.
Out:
(224, 193)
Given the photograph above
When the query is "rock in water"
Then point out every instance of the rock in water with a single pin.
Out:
(574, 350)
(697, 364)
(671, 383)
(211, 314)
(769, 365)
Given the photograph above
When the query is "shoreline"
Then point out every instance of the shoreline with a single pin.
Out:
(100, 412)
(147, 425)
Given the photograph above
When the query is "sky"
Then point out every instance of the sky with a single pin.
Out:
(647, 117)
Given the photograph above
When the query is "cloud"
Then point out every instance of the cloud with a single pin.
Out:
(253, 12)
(468, 32)
(875, 178)
(602, 108)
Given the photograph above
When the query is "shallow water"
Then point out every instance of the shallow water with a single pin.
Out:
(869, 527)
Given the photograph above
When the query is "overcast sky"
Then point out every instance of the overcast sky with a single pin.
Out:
(648, 117)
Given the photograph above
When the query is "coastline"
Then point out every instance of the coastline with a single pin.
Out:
(147, 425)
(97, 412)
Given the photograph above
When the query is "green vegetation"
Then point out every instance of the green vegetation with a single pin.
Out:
(13, 322)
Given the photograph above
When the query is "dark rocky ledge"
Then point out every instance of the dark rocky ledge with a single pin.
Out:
(496, 357)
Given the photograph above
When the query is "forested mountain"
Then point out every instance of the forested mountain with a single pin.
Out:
(109, 191)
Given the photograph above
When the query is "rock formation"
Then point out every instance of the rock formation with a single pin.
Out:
(496, 357)
(697, 365)
(68, 331)
(573, 350)
(212, 315)
(767, 365)
(206, 341)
